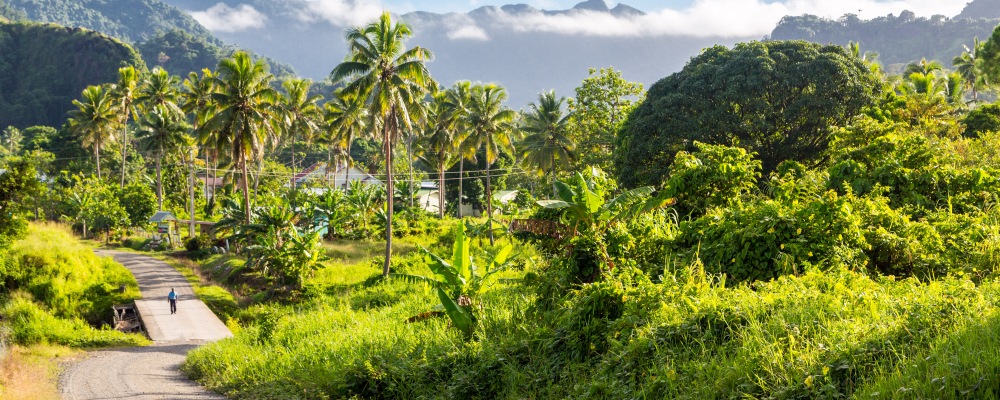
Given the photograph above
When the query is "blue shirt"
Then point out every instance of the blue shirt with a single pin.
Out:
(172, 295)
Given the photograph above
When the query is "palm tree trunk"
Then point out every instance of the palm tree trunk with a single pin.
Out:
(159, 182)
(489, 202)
(97, 155)
(461, 179)
(206, 175)
(349, 164)
(191, 195)
(409, 156)
(246, 188)
(441, 190)
(329, 164)
(554, 194)
(256, 178)
(124, 145)
(215, 174)
(387, 138)
(293, 163)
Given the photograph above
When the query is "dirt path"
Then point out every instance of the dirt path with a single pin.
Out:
(149, 372)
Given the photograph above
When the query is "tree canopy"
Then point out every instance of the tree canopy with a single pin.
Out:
(777, 99)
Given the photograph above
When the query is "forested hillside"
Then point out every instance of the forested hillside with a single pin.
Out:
(981, 9)
(897, 39)
(129, 20)
(43, 67)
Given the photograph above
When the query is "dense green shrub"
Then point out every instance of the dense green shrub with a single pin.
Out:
(197, 243)
(981, 120)
(711, 176)
(764, 239)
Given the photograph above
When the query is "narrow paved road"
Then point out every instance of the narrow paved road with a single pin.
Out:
(149, 372)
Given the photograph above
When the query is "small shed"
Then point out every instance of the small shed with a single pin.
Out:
(166, 225)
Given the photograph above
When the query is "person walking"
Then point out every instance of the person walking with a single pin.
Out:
(172, 299)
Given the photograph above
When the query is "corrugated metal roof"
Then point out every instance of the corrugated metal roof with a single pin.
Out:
(162, 216)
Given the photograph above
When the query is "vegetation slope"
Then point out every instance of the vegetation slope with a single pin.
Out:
(897, 39)
(129, 20)
(44, 66)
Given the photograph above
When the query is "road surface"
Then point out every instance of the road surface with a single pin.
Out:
(151, 372)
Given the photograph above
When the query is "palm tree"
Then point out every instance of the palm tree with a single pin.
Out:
(125, 91)
(244, 119)
(159, 88)
(923, 67)
(345, 115)
(394, 81)
(970, 67)
(455, 104)
(439, 143)
(164, 132)
(491, 127)
(197, 95)
(10, 140)
(547, 145)
(95, 120)
(300, 113)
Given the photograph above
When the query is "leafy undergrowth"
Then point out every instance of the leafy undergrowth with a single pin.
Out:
(61, 291)
(819, 335)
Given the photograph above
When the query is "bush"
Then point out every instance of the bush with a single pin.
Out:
(197, 243)
(61, 286)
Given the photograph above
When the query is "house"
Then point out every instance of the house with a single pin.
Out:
(338, 177)
(427, 197)
(212, 184)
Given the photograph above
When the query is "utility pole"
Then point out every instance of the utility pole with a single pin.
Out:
(191, 191)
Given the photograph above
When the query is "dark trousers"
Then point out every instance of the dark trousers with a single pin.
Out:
(173, 305)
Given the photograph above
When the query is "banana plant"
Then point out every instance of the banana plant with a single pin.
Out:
(460, 280)
(586, 210)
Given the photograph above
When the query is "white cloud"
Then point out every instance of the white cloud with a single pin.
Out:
(339, 12)
(463, 27)
(470, 32)
(223, 18)
(716, 18)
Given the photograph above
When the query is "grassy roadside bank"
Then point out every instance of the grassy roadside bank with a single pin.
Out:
(58, 297)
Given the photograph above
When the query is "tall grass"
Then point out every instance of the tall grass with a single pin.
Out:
(820, 335)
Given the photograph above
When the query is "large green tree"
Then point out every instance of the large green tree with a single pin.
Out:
(394, 80)
(777, 99)
(603, 101)
(547, 146)
(18, 182)
(245, 118)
